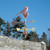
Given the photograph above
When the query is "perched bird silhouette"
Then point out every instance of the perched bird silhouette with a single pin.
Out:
(25, 15)
(23, 11)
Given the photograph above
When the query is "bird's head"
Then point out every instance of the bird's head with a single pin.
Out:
(26, 7)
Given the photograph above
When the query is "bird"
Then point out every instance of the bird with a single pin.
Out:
(23, 11)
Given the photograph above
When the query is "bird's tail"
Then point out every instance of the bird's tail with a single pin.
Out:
(18, 14)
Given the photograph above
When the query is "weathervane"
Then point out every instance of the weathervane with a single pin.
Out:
(25, 14)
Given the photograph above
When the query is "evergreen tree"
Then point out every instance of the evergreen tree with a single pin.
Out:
(7, 30)
(1, 23)
(11, 30)
(44, 38)
(48, 29)
(49, 37)
(32, 36)
(17, 34)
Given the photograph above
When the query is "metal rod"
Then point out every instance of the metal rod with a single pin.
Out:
(25, 21)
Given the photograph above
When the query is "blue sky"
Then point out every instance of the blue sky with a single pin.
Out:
(39, 11)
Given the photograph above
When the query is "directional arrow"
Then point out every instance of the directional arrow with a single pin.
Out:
(15, 22)
(25, 29)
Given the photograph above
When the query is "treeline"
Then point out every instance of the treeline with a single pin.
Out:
(6, 29)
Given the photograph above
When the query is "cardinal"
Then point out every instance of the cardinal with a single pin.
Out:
(23, 11)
